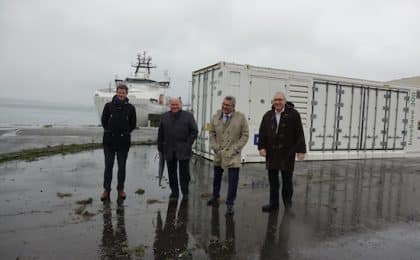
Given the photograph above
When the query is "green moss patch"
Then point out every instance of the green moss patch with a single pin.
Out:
(35, 153)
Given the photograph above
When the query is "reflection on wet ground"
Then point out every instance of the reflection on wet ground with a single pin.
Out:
(342, 209)
(114, 242)
(276, 246)
(171, 237)
(221, 247)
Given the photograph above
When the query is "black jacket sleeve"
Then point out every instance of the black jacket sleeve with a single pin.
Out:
(133, 118)
(262, 138)
(161, 135)
(193, 130)
(105, 116)
(300, 136)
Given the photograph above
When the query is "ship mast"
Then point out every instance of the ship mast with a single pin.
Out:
(143, 62)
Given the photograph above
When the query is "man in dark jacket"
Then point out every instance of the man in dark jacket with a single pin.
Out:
(176, 135)
(118, 120)
(281, 137)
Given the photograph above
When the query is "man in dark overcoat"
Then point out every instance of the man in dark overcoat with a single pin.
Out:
(176, 135)
(281, 137)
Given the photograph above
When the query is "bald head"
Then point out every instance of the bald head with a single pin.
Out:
(174, 105)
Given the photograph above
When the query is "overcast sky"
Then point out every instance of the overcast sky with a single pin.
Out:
(63, 50)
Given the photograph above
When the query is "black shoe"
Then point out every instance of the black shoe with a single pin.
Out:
(213, 201)
(173, 196)
(229, 211)
(270, 208)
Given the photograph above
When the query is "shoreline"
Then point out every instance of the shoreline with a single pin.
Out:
(15, 140)
(36, 153)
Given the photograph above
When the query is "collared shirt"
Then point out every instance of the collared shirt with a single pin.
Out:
(226, 117)
(278, 118)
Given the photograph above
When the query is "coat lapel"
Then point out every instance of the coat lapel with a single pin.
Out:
(230, 119)
(226, 125)
(273, 122)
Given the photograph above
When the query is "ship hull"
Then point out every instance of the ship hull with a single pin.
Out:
(143, 106)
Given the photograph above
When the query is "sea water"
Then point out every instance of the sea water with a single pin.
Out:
(27, 115)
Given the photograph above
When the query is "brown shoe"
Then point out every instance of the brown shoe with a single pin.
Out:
(105, 196)
(121, 195)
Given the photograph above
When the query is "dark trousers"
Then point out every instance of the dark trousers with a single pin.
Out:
(109, 165)
(286, 189)
(233, 178)
(184, 175)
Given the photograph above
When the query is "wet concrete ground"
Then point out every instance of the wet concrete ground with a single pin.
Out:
(342, 210)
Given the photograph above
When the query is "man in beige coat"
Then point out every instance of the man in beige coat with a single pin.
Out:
(229, 133)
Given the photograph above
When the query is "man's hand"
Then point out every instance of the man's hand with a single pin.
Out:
(263, 152)
(300, 156)
(215, 150)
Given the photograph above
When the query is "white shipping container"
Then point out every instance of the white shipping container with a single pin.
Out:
(343, 118)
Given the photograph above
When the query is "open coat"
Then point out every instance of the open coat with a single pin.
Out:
(282, 146)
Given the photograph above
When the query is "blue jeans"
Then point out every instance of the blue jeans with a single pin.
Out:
(233, 178)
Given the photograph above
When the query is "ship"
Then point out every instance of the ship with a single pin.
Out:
(147, 95)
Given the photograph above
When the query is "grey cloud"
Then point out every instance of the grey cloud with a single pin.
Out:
(64, 50)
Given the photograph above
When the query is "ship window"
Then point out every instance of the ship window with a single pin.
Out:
(262, 101)
(418, 125)
(219, 93)
(418, 94)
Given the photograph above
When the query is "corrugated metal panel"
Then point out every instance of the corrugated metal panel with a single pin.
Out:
(343, 118)
(357, 118)
(298, 95)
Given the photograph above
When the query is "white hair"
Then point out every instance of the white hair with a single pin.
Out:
(278, 93)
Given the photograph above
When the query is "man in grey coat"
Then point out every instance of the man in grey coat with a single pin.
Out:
(176, 135)
(229, 133)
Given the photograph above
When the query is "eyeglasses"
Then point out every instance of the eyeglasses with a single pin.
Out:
(278, 99)
(226, 105)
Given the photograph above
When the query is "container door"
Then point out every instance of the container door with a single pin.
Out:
(261, 92)
(401, 122)
(379, 119)
(369, 118)
(195, 101)
(344, 117)
(330, 124)
(393, 120)
(199, 141)
(325, 111)
(383, 109)
(318, 116)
